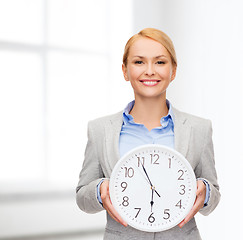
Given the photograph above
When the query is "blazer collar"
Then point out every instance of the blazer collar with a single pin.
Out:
(112, 132)
(182, 132)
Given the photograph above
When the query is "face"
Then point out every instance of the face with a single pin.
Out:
(149, 68)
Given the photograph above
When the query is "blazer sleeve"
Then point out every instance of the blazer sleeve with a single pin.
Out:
(208, 171)
(89, 177)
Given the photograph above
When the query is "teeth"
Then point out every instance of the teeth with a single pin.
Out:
(149, 82)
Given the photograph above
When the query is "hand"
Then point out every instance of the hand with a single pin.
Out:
(198, 204)
(105, 197)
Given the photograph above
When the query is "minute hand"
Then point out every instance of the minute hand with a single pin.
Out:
(149, 180)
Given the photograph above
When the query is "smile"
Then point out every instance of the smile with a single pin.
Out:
(150, 82)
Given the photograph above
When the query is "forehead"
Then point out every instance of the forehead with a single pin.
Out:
(147, 47)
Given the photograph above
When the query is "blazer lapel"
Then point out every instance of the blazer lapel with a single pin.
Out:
(182, 131)
(112, 133)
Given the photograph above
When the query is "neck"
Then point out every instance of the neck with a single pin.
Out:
(149, 111)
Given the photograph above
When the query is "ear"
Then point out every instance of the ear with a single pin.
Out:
(124, 70)
(173, 75)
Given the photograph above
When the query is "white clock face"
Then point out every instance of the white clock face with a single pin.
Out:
(153, 188)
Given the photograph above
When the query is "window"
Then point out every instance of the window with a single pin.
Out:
(58, 60)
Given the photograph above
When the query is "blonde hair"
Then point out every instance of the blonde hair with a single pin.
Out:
(156, 35)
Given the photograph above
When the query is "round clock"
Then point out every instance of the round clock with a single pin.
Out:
(153, 188)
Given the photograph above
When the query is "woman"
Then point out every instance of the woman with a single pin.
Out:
(149, 63)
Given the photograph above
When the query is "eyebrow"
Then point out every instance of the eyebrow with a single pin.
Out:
(155, 57)
(161, 56)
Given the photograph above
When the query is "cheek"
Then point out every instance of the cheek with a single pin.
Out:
(134, 73)
(165, 72)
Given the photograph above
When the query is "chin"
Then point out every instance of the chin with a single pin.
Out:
(151, 96)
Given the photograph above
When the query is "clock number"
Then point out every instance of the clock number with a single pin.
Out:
(139, 209)
(125, 202)
(182, 189)
(151, 218)
(154, 158)
(124, 186)
(129, 172)
(182, 173)
(169, 162)
(179, 204)
(141, 162)
(166, 212)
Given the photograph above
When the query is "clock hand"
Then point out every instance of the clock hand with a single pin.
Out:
(152, 187)
(152, 200)
(157, 193)
(147, 176)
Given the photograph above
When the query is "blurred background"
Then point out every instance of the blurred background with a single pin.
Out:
(60, 66)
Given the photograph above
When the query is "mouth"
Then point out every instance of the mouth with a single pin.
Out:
(149, 82)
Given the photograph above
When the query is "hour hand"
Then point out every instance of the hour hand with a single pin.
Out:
(157, 193)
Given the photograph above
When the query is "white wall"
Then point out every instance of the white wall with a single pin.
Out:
(208, 39)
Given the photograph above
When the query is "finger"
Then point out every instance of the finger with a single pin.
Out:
(113, 213)
(196, 207)
(182, 223)
(201, 188)
(198, 204)
(189, 216)
(105, 197)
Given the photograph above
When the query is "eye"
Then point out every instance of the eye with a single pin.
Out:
(138, 62)
(160, 62)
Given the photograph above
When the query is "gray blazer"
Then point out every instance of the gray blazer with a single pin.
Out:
(193, 139)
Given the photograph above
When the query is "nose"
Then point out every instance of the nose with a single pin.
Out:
(150, 70)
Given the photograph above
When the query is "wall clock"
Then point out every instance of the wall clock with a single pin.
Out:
(153, 188)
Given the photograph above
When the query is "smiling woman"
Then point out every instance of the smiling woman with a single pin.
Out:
(149, 64)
